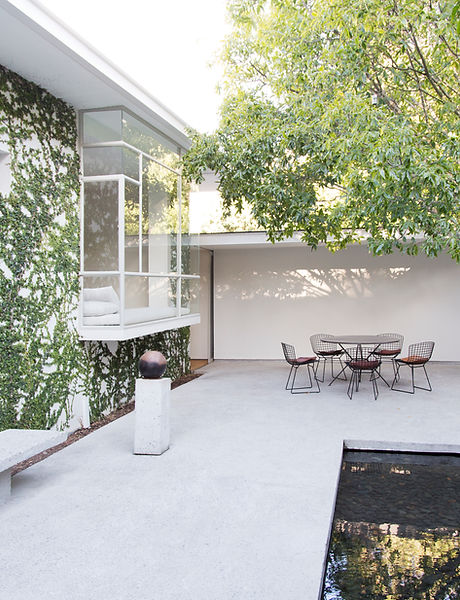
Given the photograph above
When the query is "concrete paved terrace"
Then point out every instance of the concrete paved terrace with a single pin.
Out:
(240, 507)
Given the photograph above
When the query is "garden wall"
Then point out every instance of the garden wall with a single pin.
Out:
(276, 293)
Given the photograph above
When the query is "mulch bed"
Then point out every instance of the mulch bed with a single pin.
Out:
(84, 431)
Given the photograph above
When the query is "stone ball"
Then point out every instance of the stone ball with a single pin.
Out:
(152, 364)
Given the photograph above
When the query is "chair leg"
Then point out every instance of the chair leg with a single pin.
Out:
(340, 373)
(289, 377)
(293, 379)
(374, 376)
(394, 370)
(396, 377)
(429, 388)
(358, 379)
(394, 366)
(316, 380)
(379, 374)
(344, 378)
(323, 360)
(352, 383)
(355, 380)
(414, 387)
(302, 390)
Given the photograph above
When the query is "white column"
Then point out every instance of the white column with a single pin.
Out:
(152, 431)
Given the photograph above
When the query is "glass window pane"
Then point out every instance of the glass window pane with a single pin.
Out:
(190, 296)
(110, 161)
(149, 298)
(190, 257)
(102, 126)
(159, 218)
(185, 206)
(131, 226)
(100, 227)
(101, 300)
(131, 164)
(141, 136)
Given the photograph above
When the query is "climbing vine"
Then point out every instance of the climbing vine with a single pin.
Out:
(38, 256)
(113, 371)
(44, 365)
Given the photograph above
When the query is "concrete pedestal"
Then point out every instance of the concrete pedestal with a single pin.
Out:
(151, 435)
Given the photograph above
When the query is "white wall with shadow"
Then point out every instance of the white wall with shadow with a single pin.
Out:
(267, 295)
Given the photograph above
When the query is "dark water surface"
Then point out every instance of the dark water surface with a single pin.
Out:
(396, 528)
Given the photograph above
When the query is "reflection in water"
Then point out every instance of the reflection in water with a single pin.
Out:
(396, 529)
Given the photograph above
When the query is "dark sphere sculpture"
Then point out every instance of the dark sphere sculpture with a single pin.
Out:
(152, 364)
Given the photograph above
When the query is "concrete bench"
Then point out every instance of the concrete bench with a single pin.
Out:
(17, 445)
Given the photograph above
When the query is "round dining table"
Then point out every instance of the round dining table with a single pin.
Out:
(357, 341)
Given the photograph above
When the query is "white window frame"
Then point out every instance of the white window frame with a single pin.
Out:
(125, 331)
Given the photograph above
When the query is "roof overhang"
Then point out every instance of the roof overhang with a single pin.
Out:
(40, 48)
(258, 239)
(243, 240)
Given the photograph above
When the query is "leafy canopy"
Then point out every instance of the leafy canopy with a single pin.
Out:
(341, 120)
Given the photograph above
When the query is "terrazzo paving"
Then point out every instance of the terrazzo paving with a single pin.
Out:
(240, 506)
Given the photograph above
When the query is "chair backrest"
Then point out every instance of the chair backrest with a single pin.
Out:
(392, 345)
(289, 352)
(363, 358)
(421, 350)
(318, 345)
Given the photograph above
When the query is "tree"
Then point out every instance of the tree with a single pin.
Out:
(341, 120)
(456, 15)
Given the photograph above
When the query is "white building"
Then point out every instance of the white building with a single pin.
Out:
(139, 273)
(256, 294)
(71, 110)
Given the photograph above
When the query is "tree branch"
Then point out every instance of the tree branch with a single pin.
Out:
(452, 51)
(420, 91)
(436, 86)
(258, 70)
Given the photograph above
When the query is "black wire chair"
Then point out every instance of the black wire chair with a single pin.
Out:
(419, 354)
(388, 351)
(296, 362)
(327, 351)
(364, 362)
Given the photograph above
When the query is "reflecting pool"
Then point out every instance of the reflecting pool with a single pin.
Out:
(396, 528)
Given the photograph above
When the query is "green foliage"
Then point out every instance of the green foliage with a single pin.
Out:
(218, 219)
(44, 365)
(39, 232)
(111, 372)
(360, 98)
(456, 16)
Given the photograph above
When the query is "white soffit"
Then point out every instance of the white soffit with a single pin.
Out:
(243, 240)
(40, 48)
(255, 239)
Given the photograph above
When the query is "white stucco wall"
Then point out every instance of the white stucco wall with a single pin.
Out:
(267, 295)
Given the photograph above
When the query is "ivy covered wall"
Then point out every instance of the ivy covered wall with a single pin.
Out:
(39, 352)
(43, 364)
(113, 368)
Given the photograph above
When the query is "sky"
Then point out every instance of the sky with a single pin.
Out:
(165, 45)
